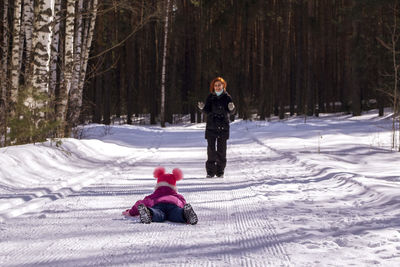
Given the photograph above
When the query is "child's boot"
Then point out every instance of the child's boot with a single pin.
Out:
(144, 212)
(189, 214)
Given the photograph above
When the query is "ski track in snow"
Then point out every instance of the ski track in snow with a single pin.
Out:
(360, 210)
(25, 200)
(244, 220)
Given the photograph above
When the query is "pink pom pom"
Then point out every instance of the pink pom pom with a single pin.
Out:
(177, 173)
(158, 172)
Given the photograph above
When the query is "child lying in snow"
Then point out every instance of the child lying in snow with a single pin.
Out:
(164, 203)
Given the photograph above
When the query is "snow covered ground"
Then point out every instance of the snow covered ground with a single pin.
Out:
(321, 193)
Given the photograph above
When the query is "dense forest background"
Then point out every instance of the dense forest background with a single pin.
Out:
(105, 60)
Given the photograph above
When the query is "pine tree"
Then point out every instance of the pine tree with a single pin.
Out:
(29, 126)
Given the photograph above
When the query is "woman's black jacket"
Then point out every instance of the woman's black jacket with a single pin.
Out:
(216, 108)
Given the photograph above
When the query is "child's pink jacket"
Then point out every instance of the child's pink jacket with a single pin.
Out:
(163, 194)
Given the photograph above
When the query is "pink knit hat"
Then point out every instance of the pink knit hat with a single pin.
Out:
(166, 179)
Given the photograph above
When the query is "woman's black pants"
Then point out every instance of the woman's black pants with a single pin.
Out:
(216, 153)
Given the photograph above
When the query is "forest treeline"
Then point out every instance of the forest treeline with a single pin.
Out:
(92, 61)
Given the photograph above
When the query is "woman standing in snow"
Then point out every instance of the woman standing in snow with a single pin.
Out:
(218, 107)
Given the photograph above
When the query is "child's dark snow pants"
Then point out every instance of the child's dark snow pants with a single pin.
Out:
(167, 211)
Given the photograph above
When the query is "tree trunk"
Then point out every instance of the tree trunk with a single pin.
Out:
(164, 63)
(275, 68)
(86, 35)
(118, 66)
(174, 96)
(198, 58)
(77, 52)
(262, 72)
(68, 64)
(4, 58)
(300, 59)
(3, 77)
(98, 111)
(268, 96)
(107, 85)
(75, 93)
(286, 60)
(67, 69)
(395, 38)
(129, 54)
(309, 104)
(355, 69)
(88, 38)
(26, 37)
(348, 73)
(41, 48)
(15, 55)
(54, 56)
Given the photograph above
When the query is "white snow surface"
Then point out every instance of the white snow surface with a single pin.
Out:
(325, 192)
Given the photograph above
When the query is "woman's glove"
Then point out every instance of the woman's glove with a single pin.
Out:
(231, 106)
(200, 105)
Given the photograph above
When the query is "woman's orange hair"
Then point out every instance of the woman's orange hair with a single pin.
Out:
(218, 79)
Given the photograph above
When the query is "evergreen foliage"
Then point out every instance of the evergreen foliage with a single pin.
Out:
(32, 122)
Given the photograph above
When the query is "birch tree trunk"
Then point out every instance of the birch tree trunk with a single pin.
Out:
(15, 54)
(62, 100)
(54, 54)
(4, 58)
(75, 97)
(88, 37)
(3, 77)
(77, 48)
(26, 35)
(162, 111)
(41, 46)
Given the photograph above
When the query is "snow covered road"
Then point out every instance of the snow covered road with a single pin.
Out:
(283, 201)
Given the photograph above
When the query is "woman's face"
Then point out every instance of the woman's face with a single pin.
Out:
(218, 86)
